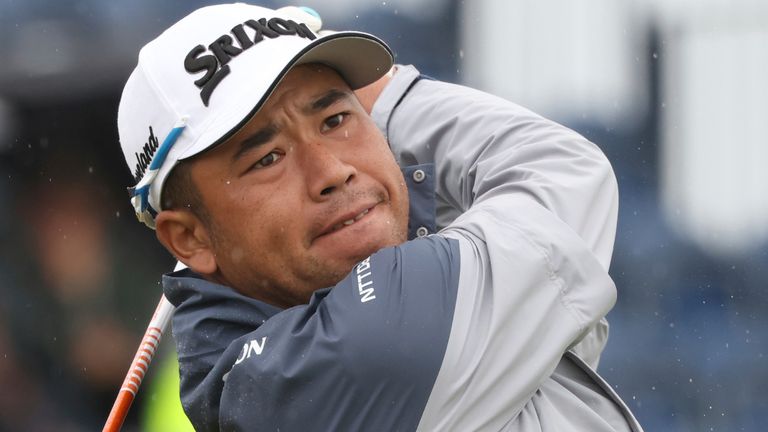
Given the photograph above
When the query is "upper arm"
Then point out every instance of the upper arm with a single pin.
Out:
(484, 146)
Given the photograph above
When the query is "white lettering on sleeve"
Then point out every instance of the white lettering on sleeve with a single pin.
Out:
(365, 281)
(250, 348)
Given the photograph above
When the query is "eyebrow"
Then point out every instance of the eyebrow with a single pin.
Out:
(327, 99)
(255, 140)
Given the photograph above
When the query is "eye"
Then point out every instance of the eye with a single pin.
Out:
(333, 121)
(268, 160)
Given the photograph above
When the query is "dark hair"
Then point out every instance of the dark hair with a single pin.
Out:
(179, 192)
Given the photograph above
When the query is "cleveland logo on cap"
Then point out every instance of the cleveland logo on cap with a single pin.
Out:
(223, 49)
(144, 158)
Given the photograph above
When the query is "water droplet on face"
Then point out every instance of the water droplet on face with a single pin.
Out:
(228, 182)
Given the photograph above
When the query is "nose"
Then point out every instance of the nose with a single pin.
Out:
(326, 171)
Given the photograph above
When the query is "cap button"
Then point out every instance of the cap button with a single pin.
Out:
(422, 231)
(419, 176)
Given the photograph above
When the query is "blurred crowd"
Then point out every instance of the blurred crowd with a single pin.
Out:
(79, 276)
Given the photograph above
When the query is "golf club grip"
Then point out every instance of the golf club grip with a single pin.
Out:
(139, 366)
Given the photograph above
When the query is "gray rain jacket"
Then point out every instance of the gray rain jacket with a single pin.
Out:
(481, 326)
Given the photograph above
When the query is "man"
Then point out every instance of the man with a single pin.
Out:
(304, 307)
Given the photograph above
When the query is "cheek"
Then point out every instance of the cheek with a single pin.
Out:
(372, 151)
(376, 159)
(258, 238)
(269, 218)
(243, 211)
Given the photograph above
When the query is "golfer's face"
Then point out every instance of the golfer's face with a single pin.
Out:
(303, 192)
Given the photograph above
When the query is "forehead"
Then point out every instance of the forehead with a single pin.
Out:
(302, 83)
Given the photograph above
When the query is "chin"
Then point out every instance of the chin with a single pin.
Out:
(341, 267)
(335, 266)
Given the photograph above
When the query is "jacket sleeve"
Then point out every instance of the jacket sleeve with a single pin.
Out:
(484, 146)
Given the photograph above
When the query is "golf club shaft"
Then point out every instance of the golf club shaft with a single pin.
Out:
(139, 366)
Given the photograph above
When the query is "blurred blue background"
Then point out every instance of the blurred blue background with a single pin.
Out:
(675, 93)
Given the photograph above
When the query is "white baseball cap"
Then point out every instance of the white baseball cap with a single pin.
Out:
(202, 79)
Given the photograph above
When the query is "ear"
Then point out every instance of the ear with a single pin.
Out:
(188, 239)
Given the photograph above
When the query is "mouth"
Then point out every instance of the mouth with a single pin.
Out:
(348, 222)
